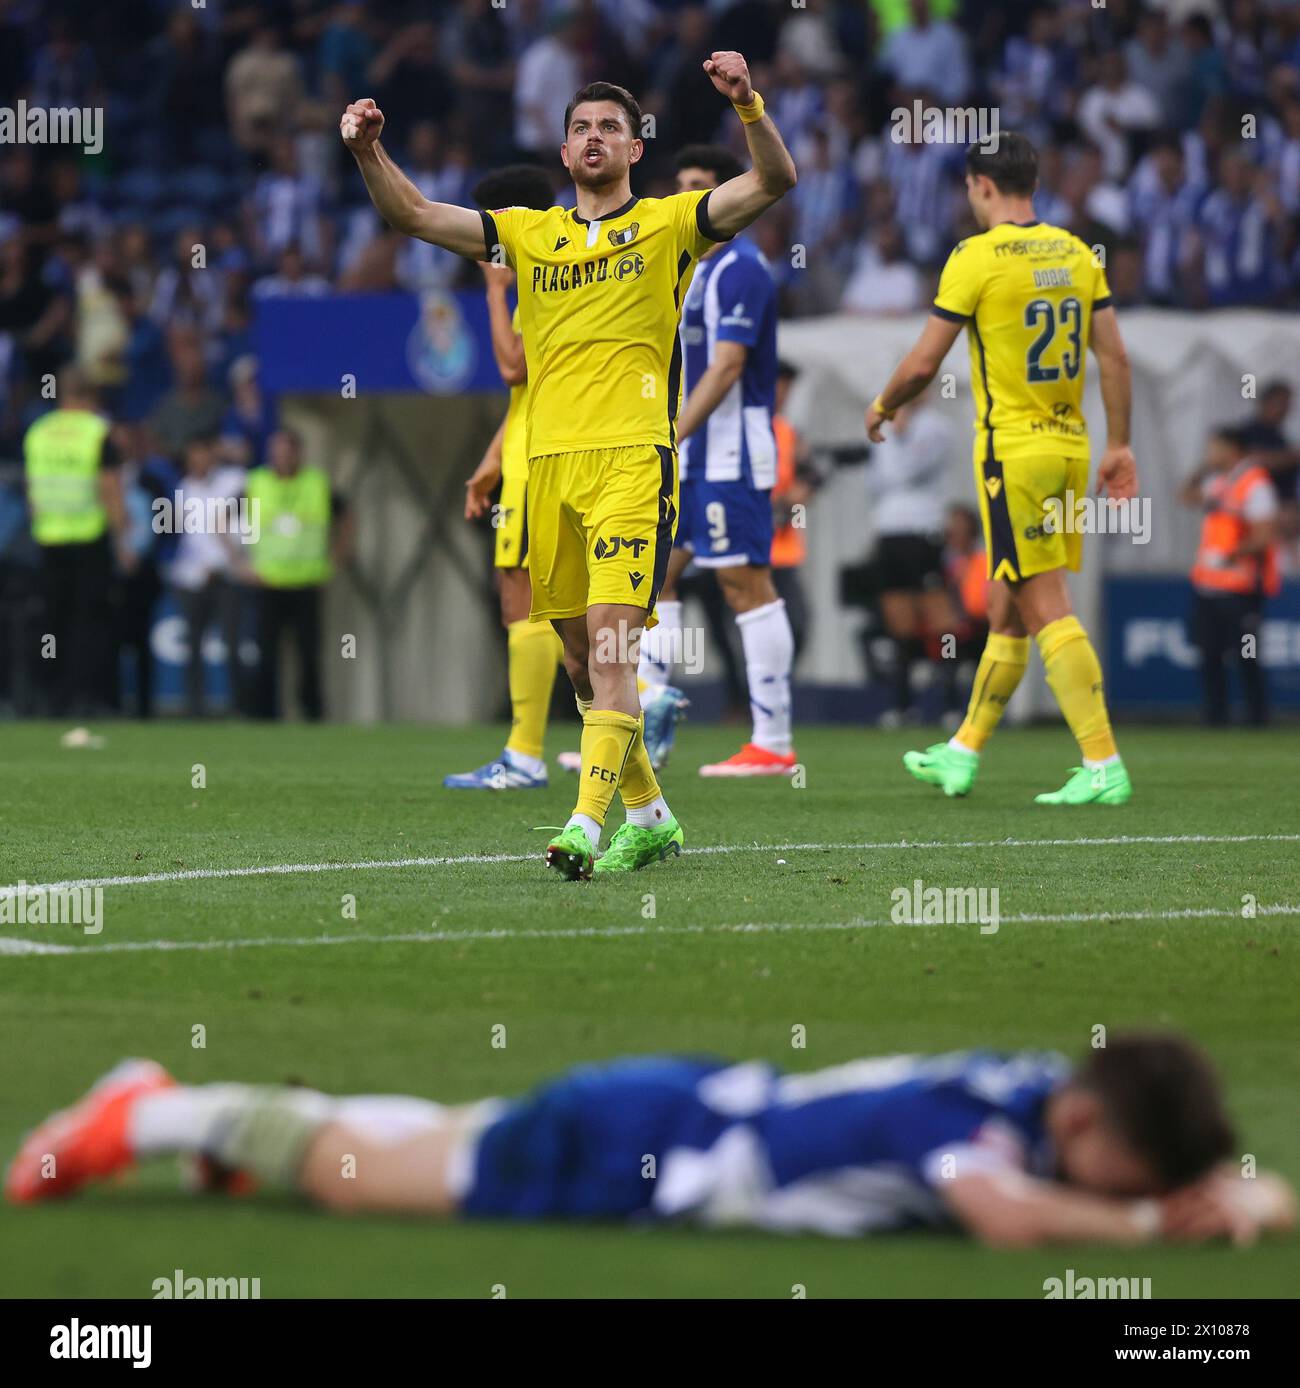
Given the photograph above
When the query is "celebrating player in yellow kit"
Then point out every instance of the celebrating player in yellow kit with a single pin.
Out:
(600, 294)
(533, 650)
(1033, 298)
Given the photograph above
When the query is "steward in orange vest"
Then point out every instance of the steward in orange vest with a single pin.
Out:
(1236, 568)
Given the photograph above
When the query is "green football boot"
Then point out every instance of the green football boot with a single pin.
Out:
(569, 853)
(1091, 785)
(633, 847)
(944, 766)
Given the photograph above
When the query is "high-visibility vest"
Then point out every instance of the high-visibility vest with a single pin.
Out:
(789, 548)
(62, 452)
(1224, 529)
(292, 515)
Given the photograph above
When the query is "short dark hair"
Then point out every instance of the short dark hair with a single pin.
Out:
(1276, 386)
(1162, 1096)
(606, 91)
(715, 159)
(516, 185)
(786, 370)
(1011, 163)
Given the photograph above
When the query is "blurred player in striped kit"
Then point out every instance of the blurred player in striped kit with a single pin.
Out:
(728, 464)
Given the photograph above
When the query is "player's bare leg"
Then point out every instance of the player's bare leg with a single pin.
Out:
(768, 644)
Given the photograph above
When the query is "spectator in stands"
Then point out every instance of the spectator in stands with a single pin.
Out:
(1235, 572)
(203, 568)
(286, 208)
(549, 72)
(188, 290)
(1158, 61)
(64, 73)
(344, 53)
(929, 54)
(1240, 231)
(410, 82)
(186, 98)
(1115, 113)
(477, 46)
(1208, 78)
(883, 280)
(263, 89)
(1162, 209)
(191, 408)
(251, 419)
(291, 279)
(146, 369)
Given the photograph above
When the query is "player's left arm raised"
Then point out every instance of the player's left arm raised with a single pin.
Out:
(735, 204)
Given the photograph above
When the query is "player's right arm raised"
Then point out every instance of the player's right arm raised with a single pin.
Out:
(398, 201)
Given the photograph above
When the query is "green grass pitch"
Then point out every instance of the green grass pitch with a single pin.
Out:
(733, 952)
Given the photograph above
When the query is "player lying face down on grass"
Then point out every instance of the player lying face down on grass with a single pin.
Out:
(600, 292)
(1018, 1150)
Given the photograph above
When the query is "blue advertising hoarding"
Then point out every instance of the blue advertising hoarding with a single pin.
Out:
(434, 343)
(1152, 662)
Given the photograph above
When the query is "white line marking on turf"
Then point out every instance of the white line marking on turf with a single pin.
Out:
(144, 879)
(11, 946)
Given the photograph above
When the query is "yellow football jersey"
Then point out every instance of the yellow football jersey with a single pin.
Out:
(514, 442)
(1027, 293)
(599, 304)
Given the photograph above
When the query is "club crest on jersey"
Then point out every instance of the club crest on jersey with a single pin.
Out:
(626, 236)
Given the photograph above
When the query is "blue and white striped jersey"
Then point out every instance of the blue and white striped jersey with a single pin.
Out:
(732, 298)
(844, 1151)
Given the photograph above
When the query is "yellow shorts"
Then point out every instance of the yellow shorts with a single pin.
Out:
(1023, 533)
(600, 528)
(510, 519)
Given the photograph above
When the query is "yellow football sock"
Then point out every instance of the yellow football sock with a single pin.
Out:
(1000, 669)
(1074, 673)
(607, 738)
(533, 652)
(639, 785)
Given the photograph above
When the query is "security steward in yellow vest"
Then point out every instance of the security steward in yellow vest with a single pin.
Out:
(74, 496)
(303, 531)
(1235, 571)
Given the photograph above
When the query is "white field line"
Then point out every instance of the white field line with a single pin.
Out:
(369, 865)
(11, 946)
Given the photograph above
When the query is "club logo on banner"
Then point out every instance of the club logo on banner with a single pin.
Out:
(441, 352)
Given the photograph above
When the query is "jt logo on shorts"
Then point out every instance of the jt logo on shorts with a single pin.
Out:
(607, 549)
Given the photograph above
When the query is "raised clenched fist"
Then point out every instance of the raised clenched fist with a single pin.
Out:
(730, 74)
(361, 124)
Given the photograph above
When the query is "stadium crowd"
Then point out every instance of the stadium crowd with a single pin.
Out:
(1169, 134)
